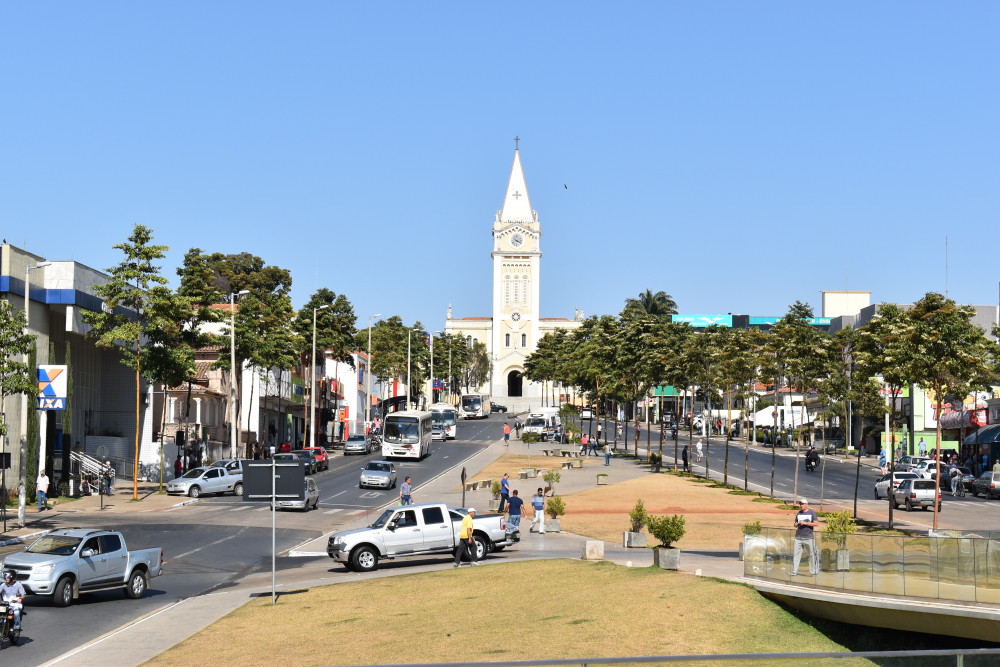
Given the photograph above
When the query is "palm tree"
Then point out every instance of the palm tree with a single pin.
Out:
(659, 304)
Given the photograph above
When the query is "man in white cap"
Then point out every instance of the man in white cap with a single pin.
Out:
(466, 540)
(805, 521)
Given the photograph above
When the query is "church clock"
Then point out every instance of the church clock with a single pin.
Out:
(517, 240)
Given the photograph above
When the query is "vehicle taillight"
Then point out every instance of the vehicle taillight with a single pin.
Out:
(503, 524)
(161, 557)
(913, 495)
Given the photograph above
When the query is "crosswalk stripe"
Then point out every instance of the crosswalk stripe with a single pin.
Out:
(334, 511)
(239, 509)
(261, 509)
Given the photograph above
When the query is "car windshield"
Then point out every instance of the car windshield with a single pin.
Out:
(965, 471)
(303, 452)
(382, 519)
(360, 438)
(194, 474)
(535, 421)
(57, 545)
(471, 403)
(219, 464)
(905, 475)
(378, 466)
(402, 429)
(444, 418)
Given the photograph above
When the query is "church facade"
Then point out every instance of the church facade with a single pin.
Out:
(515, 327)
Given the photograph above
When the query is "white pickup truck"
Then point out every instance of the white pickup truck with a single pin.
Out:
(66, 563)
(413, 530)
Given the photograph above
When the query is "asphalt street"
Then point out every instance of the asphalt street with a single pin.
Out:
(214, 543)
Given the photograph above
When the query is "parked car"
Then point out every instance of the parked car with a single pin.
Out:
(233, 466)
(311, 497)
(924, 469)
(357, 444)
(65, 563)
(968, 478)
(428, 528)
(987, 484)
(497, 408)
(378, 474)
(882, 485)
(907, 463)
(916, 493)
(322, 458)
(198, 481)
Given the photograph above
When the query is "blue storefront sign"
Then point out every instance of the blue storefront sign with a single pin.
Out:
(705, 320)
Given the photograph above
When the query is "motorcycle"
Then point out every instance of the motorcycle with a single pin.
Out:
(7, 631)
(810, 465)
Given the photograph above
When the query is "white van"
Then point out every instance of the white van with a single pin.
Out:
(543, 421)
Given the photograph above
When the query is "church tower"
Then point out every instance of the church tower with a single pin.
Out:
(516, 257)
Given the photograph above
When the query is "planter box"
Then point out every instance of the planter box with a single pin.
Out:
(830, 560)
(494, 504)
(668, 559)
(635, 540)
(551, 525)
(602, 480)
(655, 467)
(592, 550)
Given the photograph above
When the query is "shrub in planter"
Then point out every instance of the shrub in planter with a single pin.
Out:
(752, 528)
(552, 478)
(529, 438)
(666, 529)
(838, 526)
(495, 489)
(555, 507)
(637, 517)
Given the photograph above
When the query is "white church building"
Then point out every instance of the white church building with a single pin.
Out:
(515, 326)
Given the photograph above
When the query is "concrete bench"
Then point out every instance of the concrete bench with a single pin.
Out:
(470, 486)
(485, 483)
(567, 465)
(548, 452)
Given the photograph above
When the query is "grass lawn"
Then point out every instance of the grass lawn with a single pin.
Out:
(714, 517)
(501, 612)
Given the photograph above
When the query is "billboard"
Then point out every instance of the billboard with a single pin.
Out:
(705, 320)
(52, 387)
(815, 321)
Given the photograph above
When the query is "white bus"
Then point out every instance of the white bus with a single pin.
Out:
(407, 434)
(474, 406)
(445, 418)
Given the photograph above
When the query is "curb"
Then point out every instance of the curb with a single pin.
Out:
(187, 502)
(21, 538)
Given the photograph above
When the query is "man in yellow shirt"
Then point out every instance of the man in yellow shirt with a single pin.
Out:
(465, 539)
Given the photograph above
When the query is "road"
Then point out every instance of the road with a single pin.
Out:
(214, 543)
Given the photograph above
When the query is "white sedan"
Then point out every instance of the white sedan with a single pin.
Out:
(882, 485)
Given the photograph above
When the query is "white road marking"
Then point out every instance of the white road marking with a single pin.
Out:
(240, 509)
(333, 496)
(262, 509)
(204, 547)
(334, 511)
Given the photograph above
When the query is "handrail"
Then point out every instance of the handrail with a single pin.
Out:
(705, 657)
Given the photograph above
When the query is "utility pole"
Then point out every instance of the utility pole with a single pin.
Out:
(312, 382)
(368, 394)
(232, 368)
(409, 335)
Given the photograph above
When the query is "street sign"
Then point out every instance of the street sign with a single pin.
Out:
(774, 413)
(463, 476)
(52, 387)
(289, 481)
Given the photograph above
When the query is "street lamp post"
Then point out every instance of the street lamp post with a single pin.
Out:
(312, 383)
(23, 462)
(232, 368)
(368, 394)
(430, 395)
(409, 334)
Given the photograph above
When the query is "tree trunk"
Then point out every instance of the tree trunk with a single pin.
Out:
(729, 430)
(937, 478)
(857, 475)
(892, 456)
(774, 430)
(822, 474)
(795, 492)
(746, 458)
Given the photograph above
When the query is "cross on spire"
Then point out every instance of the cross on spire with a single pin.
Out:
(516, 139)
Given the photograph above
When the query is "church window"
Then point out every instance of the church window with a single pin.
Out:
(468, 340)
(475, 341)
(524, 286)
(524, 340)
(517, 296)
(506, 340)
(506, 290)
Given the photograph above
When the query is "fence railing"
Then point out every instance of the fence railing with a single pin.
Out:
(944, 658)
(963, 568)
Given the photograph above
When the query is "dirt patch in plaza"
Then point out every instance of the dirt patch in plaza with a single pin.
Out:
(512, 463)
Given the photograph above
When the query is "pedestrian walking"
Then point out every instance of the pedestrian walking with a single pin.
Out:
(996, 466)
(599, 428)
(177, 466)
(538, 505)
(504, 491)
(466, 541)
(805, 521)
(506, 435)
(514, 511)
(108, 474)
(638, 428)
(684, 457)
(922, 447)
(619, 431)
(607, 453)
(406, 493)
(697, 451)
(42, 490)
(584, 442)
(594, 444)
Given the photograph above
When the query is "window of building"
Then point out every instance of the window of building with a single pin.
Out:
(524, 340)
(468, 340)
(506, 290)
(524, 288)
(517, 295)
(506, 340)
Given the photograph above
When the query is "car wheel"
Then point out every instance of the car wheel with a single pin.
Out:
(909, 505)
(63, 596)
(136, 585)
(194, 492)
(238, 489)
(481, 548)
(393, 484)
(364, 559)
(877, 496)
(361, 486)
(15, 637)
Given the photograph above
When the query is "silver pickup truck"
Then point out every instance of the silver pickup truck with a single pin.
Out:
(413, 530)
(65, 563)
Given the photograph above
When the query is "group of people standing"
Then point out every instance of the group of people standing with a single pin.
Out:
(512, 506)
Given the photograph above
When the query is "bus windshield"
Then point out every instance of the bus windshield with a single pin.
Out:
(471, 403)
(444, 417)
(402, 429)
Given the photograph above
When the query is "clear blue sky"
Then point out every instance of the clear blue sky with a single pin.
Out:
(737, 155)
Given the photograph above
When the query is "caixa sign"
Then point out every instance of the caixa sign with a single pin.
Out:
(52, 387)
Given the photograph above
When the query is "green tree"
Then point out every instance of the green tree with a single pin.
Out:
(15, 377)
(948, 353)
(659, 304)
(668, 345)
(134, 284)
